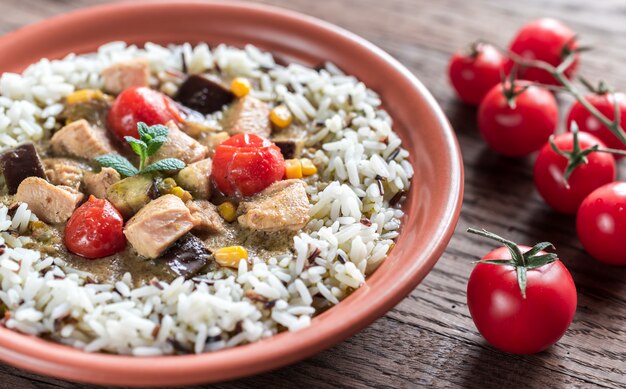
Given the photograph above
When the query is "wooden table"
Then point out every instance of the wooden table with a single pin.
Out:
(429, 338)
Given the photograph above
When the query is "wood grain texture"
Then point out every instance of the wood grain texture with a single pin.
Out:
(429, 338)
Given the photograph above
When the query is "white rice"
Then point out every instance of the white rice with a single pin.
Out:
(361, 167)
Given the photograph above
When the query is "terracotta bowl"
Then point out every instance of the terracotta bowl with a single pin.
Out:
(432, 208)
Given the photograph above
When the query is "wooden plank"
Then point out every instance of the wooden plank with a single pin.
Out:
(429, 339)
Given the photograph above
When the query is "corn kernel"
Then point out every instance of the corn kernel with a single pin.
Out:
(293, 168)
(240, 86)
(228, 211)
(180, 192)
(230, 256)
(281, 116)
(84, 95)
(308, 168)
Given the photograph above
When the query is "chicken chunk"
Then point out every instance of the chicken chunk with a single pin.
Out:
(196, 178)
(158, 225)
(64, 171)
(248, 114)
(211, 141)
(180, 145)
(52, 204)
(80, 139)
(205, 216)
(284, 205)
(98, 184)
(120, 76)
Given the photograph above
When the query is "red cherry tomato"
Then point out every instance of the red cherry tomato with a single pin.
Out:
(140, 104)
(550, 168)
(588, 123)
(473, 74)
(95, 230)
(601, 223)
(548, 40)
(515, 324)
(246, 164)
(519, 128)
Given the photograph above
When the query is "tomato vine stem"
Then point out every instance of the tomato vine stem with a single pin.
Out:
(558, 73)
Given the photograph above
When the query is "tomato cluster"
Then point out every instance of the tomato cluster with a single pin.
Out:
(574, 172)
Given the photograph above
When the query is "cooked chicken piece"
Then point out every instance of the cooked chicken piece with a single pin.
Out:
(196, 178)
(180, 145)
(248, 114)
(19, 163)
(80, 139)
(284, 205)
(211, 141)
(52, 204)
(120, 76)
(196, 129)
(98, 184)
(158, 225)
(64, 171)
(205, 217)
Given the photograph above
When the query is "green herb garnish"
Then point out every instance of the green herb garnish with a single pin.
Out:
(151, 138)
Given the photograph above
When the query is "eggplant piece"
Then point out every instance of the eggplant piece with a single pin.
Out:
(204, 94)
(20, 163)
(290, 148)
(130, 194)
(187, 256)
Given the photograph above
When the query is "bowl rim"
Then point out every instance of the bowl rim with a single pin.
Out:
(49, 358)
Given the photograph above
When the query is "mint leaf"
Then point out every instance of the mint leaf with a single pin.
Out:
(143, 129)
(164, 164)
(154, 131)
(139, 147)
(155, 144)
(119, 163)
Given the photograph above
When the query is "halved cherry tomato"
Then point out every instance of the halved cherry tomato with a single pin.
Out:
(550, 169)
(140, 104)
(548, 40)
(473, 74)
(604, 103)
(601, 223)
(519, 126)
(95, 230)
(246, 164)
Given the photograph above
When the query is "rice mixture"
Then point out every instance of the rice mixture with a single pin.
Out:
(359, 174)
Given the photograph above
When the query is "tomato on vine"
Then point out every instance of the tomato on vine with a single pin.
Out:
(547, 40)
(567, 170)
(601, 223)
(521, 299)
(516, 119)
(475, 72)
(604, 102)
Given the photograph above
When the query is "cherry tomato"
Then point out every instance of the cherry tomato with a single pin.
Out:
(548, 40)
(473, 74)
(601, 223)
(550, 169)
(511, 322)
(140, 104)
(518, 128)
(95, 230)
(246, 164)
(588, 123)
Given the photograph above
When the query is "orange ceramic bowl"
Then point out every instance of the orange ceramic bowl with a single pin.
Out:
(432, 207)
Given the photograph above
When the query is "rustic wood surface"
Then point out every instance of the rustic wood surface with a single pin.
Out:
(429, 339)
